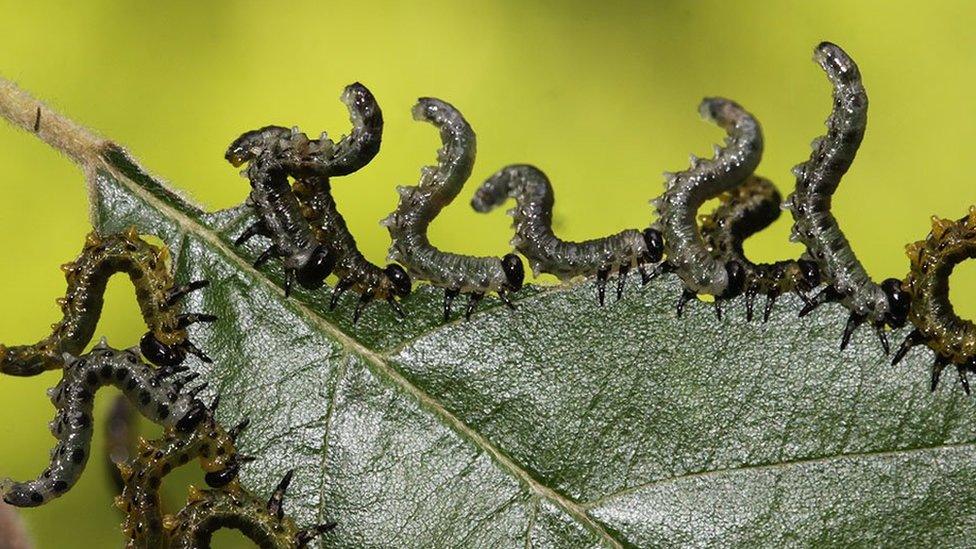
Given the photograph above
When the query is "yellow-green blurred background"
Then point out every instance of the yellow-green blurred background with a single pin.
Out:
(602, 96)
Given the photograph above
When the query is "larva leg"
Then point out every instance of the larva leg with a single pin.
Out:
(395, 305)
(853, 321)
(265, 256)
(252, 230)
(340, 288)
(879, 328)
(364, 300)
(449, 295)
(503, 295)
(768, 310)
(621, 279)
(473, 299)
(827, 295)
(601, 284)
(912, 339)
(686, 296)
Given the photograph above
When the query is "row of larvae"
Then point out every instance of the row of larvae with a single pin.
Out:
(309, 234)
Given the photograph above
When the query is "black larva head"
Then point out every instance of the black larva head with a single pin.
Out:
(318, 266)
(221, 478)
(514, 271)
(810, 272)
(399, 278)
(251, 143)
(736, 279)
(654, 241)
(159, 353)
(899, 301)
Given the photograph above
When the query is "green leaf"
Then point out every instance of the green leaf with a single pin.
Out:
(561, 424)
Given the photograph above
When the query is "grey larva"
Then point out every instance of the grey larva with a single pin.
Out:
(816, 227)
(686, 191)
(547, 253)
(155, 392)
(418, 206)
(744, 211)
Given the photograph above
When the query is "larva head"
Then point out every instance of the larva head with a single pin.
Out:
(399, 279)
(514, 272)
(160, 353)
(899, 302)
(250, 144)
(654, 241)
(319, 264)
(809, 273)
(736, 274)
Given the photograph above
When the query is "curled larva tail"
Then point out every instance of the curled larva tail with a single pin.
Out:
(953, 339)
(546, 252)
(165, 343)
(815, 226)
(744, 211)
(686, 191)
(155, 393)
(322, 157)
(419, 205)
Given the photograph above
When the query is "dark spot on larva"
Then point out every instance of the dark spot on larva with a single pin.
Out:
(78, 455)
(82, 421)
(131, 384)
(91, 378)
(154, 482)
(167, 467)
(163, 411)
(60, 486)
(183, 458)
(36, 497)
(106, 371)
(144, 397)
(121, 374)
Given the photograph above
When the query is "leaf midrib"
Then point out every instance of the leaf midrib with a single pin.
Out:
(378, 363)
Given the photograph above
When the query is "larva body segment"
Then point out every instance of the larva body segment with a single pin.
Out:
(419, 205)
(744, 211)
(155, 393)
(547, 253)
(953, 339)
(686, 191)
(165, 343)
(814, 224)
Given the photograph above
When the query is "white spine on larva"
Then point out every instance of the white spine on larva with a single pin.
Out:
(686, 191)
